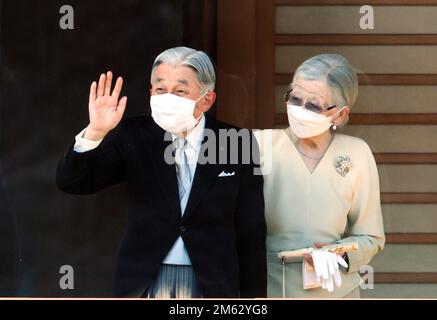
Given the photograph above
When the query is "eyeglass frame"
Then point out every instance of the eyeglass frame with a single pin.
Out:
(312, 109)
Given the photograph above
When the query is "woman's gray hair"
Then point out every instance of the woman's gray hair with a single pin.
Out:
(197, 60)
(336, 70)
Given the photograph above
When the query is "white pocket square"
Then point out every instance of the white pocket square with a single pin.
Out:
(227, 174)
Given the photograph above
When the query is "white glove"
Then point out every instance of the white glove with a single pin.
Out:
(327, 269)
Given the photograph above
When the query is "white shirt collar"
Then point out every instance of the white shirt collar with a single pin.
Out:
(195, 137)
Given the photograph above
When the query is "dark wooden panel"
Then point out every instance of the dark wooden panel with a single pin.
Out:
(265, 63)
(378, 79)
(356, 2)
(406, 158)
(398, 79)
(406, 277)
(246, 62)
(379, 119)
(283, 78)
(411, 238)
(409, 198)
(355, 39)
(45, 77)
(393, 119)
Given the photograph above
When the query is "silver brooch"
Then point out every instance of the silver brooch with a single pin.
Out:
(343, 165)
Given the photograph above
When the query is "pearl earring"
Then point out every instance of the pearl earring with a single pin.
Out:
(334, 127)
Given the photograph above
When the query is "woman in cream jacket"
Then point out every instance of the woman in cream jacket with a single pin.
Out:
(320, 187)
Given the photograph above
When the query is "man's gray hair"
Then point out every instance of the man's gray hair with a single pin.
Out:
(336, 71)
(197, 60)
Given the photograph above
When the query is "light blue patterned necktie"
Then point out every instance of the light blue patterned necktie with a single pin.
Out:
(182, 167)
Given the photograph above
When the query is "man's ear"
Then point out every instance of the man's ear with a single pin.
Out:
(208, 101)
(342, 117)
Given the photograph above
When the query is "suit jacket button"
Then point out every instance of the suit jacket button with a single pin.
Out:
(182, 229)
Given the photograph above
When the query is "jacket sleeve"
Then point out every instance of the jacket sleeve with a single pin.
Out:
(251, 231)
(365, 224)
(91, 171)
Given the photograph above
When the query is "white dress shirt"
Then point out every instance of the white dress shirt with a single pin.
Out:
(178, 254)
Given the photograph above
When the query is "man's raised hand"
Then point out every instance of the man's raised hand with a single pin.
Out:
(105, 109)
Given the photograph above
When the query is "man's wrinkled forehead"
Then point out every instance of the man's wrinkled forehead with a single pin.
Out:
(160, 80)
(181, 75)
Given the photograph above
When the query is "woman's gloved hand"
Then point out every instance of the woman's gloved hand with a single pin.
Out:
(326, 265)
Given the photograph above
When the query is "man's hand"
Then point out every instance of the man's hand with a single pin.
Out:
(105, 110)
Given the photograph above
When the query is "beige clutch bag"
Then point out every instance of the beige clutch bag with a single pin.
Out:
(297, 255)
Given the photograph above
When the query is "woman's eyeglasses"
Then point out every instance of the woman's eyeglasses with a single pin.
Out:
(290, 98)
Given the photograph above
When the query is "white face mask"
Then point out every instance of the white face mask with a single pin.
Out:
(173, 113)
(305, 123)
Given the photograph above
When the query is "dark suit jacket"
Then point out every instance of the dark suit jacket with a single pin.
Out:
(223, 226)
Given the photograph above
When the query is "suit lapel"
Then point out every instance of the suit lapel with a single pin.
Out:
(165, 174)
(204, 177)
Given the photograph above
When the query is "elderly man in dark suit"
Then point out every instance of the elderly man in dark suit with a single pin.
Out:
(195, 228)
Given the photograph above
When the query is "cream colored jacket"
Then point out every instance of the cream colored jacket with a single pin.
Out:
(303, 207)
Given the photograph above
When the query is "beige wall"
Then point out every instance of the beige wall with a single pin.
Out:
(343, 19)
(368, 59)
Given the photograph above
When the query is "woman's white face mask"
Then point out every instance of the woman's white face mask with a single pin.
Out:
(173, 113)
(306, 124)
